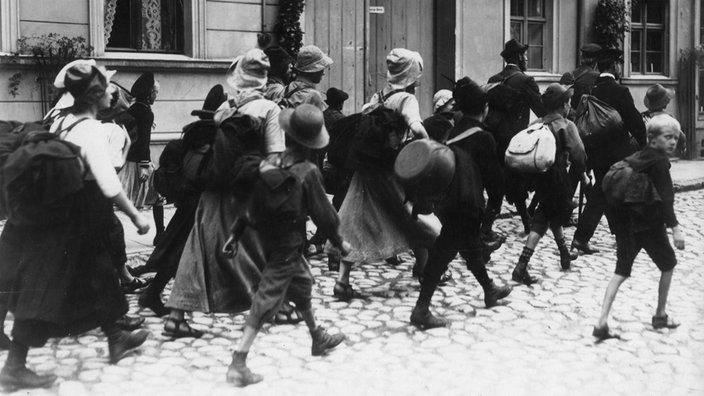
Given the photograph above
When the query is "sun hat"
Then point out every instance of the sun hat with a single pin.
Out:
(216, 96)
(441, 98)
(311, 59)
(658, 97)
(513, 47)
(556, 94)
(306, 125)
(335, 96)
(59, 80)
(249, 71)
(405, 67)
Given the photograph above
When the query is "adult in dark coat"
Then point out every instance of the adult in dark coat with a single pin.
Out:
(506, 121)
(583, 77)
(167, 252)
(601, 157)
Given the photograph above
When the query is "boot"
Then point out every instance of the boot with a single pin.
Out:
(422, 318)
(151, 300)
(120, 344)
(239, 374)
(493, 293)
(322, 341)
(15, 375)
(565, 258)
(520, 274)
(4, 341)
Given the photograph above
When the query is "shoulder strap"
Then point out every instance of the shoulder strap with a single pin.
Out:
(505, 79)
(62, 130)
(288, 94)
(464, 135)
(383, 98)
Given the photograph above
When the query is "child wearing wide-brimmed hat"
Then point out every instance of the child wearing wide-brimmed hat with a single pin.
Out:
(286, 274)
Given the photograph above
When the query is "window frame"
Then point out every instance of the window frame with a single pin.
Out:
(550, 45)
(643, 27)
(670, 65)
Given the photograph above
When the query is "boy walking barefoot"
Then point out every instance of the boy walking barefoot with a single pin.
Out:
(286, 274)
(643, 225)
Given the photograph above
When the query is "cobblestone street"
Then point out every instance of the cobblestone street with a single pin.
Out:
(538, 342)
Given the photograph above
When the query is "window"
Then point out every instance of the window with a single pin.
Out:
(528, 25)
(144, 25)
(648, 38)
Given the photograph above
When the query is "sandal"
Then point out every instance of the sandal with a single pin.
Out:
(603, 334)
(135, 286)
(288, 314)
(175, 328)
(344, 292)
(664, 322)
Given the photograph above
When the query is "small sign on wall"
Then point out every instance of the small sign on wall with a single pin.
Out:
(376, 10)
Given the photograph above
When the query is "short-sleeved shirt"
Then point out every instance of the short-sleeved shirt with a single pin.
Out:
(403, 102)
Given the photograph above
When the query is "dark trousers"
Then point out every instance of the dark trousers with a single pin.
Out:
(460, 234)
(593, 210)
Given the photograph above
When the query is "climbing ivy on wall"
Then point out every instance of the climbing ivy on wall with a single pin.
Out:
(288, 25)
(610, 22)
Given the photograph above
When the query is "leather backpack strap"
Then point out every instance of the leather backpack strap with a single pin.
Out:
(464, 135)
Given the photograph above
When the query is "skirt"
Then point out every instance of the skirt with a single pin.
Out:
(167, 253)
(140, 193)
(206, 279)
(375, 220)
(66, 283)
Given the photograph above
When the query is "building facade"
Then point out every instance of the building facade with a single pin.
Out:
(189, 45)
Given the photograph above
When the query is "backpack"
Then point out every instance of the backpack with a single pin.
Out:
(624, 185)
(169, 180)
(285, 101)
(277, 199)
(465, 192)
(532, 150)
(503, 97)
(40, 177)
(598, 123)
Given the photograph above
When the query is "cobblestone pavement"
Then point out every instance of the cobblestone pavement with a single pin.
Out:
(538, 342)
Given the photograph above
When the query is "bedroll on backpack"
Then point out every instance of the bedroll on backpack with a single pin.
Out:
(277, 198)
(40, 179)
(624, 185)
(425, 167)
(598, 123)
(531, 150)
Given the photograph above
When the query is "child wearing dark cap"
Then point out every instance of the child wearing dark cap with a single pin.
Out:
(286, 274)
(644, 225)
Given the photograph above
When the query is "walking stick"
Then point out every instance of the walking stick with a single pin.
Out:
(581, 201)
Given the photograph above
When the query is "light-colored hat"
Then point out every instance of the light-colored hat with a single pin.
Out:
(306, 125)
(80, 64)
(441, 98)
(658, 97)
(405, 67)
(249, 71)
(311, 59)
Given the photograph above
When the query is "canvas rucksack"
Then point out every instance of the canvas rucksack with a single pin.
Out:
(277, 198)
(285, 102)
(532, 150)
(624, 185)
(598, 123)
(41, 176)
(465, 192)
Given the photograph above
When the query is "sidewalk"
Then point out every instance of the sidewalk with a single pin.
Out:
(686, 176)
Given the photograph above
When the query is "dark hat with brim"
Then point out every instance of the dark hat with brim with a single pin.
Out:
(306, 125)
(591, 49)
(216, 96)
(658, 97)
(556, 95)
(513, 47)
(142, 87)
(335, 96)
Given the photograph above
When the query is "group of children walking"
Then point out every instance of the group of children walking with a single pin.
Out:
(237, 240)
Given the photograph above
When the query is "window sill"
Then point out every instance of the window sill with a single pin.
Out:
(640, 79)
(140, 62)
(541, 77)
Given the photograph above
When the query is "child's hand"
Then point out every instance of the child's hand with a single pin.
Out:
(230, 247)
(141, 223)
(678, 238)
(345, 248)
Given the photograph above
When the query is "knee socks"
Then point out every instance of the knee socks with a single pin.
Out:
(525, 256)
(17, 356)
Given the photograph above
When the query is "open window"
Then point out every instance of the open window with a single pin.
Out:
(144, 26)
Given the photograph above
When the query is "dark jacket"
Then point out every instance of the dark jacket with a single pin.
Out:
(144, 117)
(618, 97)
(506, 125)
(582, 80)
(481, 147)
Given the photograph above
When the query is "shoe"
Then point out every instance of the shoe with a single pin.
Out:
(288, 314)
(314, 249)
(125, 344)
(394, 260)
(149, 300)
(4, 341)
(333, 262)
(583, 247)
(424, 319)
(12, 379)
(565, 258)
(522, 276)
(345, 292)
(664, 322)
(493, 293)
(135, 286)
(445, 278)
(603, 333)
(129, 323)
(241, 376)
(139, 271)
(180, 329)
(322, 341)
